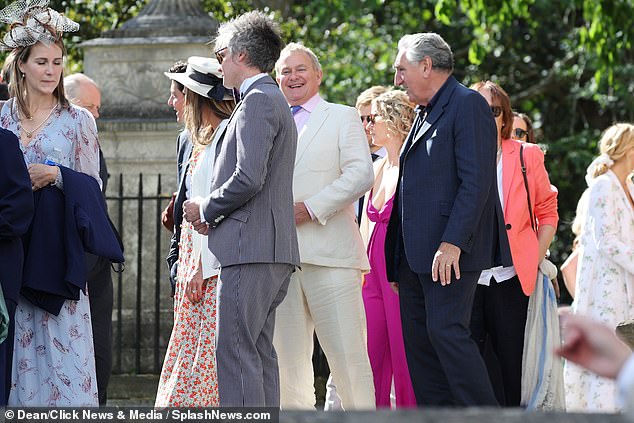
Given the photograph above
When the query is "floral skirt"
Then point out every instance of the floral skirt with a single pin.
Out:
(189, 377)
(53, 357)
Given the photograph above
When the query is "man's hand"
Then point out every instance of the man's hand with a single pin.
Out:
(167, 217)
(301, 214)
(446, 258)
(592, 345)
(191, 213)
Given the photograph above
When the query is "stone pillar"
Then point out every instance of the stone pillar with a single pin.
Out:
(137, 129)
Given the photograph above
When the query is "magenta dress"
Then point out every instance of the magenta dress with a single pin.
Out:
(382, 310)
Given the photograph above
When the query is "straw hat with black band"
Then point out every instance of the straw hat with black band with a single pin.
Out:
(203, 76)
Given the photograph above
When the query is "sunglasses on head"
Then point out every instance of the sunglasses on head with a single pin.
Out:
(496, 110)
(520, 133)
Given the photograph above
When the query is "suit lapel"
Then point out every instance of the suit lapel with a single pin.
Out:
(436, 112)
(307, 135)
(426, 125)
(509, 166)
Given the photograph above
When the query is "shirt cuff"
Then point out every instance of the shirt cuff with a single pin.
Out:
(202, 215)
(59, 181)
(625, 382)
(310, 212)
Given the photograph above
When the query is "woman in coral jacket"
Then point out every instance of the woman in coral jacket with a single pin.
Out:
(501, 299)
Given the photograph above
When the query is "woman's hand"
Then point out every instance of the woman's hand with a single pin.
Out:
(196, 287)
(42, 175)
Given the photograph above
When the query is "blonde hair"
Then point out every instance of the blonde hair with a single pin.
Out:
(196, 106)
(366, 97)
(616, 141)
(395, 107)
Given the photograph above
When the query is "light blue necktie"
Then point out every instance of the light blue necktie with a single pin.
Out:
(295, 109)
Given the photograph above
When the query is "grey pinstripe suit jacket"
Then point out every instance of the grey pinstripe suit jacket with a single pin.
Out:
(250, 208)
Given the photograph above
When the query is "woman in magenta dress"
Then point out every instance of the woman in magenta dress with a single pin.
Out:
(389, 124)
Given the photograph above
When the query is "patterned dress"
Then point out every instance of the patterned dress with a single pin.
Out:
(605, 283)
(189, 377)
(53, 358)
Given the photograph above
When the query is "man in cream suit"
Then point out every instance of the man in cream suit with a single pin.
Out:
(249, 214)
(332, 170)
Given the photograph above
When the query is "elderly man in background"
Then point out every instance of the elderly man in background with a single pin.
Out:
(332, 170)
(82, 91)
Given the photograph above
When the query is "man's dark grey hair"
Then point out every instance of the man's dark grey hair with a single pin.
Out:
(417, 46)
(255, 34)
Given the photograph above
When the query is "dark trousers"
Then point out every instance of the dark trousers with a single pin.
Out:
(497, 325)
(100, 293)
(445, 366)
(248, 375)
(6, 355)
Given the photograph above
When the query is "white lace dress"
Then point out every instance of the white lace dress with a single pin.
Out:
(53, 356)
(605, 283)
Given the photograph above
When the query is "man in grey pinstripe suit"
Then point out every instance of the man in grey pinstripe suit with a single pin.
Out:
(248, 216)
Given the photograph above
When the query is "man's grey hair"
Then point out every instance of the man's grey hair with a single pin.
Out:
(417, 46)
(255, 34)
(73, 83)
(294, 47)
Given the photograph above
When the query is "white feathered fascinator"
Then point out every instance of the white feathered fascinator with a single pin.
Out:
(31, 21)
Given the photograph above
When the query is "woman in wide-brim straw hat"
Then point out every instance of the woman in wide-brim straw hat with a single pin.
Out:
(53, 361)
(189, 378)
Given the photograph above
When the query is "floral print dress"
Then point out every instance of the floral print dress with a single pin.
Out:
(53, 357)
(189, 376)
(605, 283)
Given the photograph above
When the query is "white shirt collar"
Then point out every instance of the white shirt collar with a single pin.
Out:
(249, 81)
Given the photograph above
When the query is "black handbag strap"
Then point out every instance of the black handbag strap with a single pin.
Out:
(528, 195)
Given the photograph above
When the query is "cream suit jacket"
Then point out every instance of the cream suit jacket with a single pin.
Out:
(332, 170)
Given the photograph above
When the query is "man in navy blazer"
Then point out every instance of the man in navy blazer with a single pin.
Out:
(447, 224)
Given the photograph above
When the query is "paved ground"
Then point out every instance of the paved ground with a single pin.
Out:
(140, 390)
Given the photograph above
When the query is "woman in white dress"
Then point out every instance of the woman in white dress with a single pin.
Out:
(53, 361)
(605, 274)
(188, 377)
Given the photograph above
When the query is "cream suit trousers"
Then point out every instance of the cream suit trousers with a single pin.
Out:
(327, 301)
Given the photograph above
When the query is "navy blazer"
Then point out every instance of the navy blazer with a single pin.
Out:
(16, 212)
(449, 194)
(65, 226)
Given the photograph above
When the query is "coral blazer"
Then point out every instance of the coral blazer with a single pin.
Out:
(522, 240)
